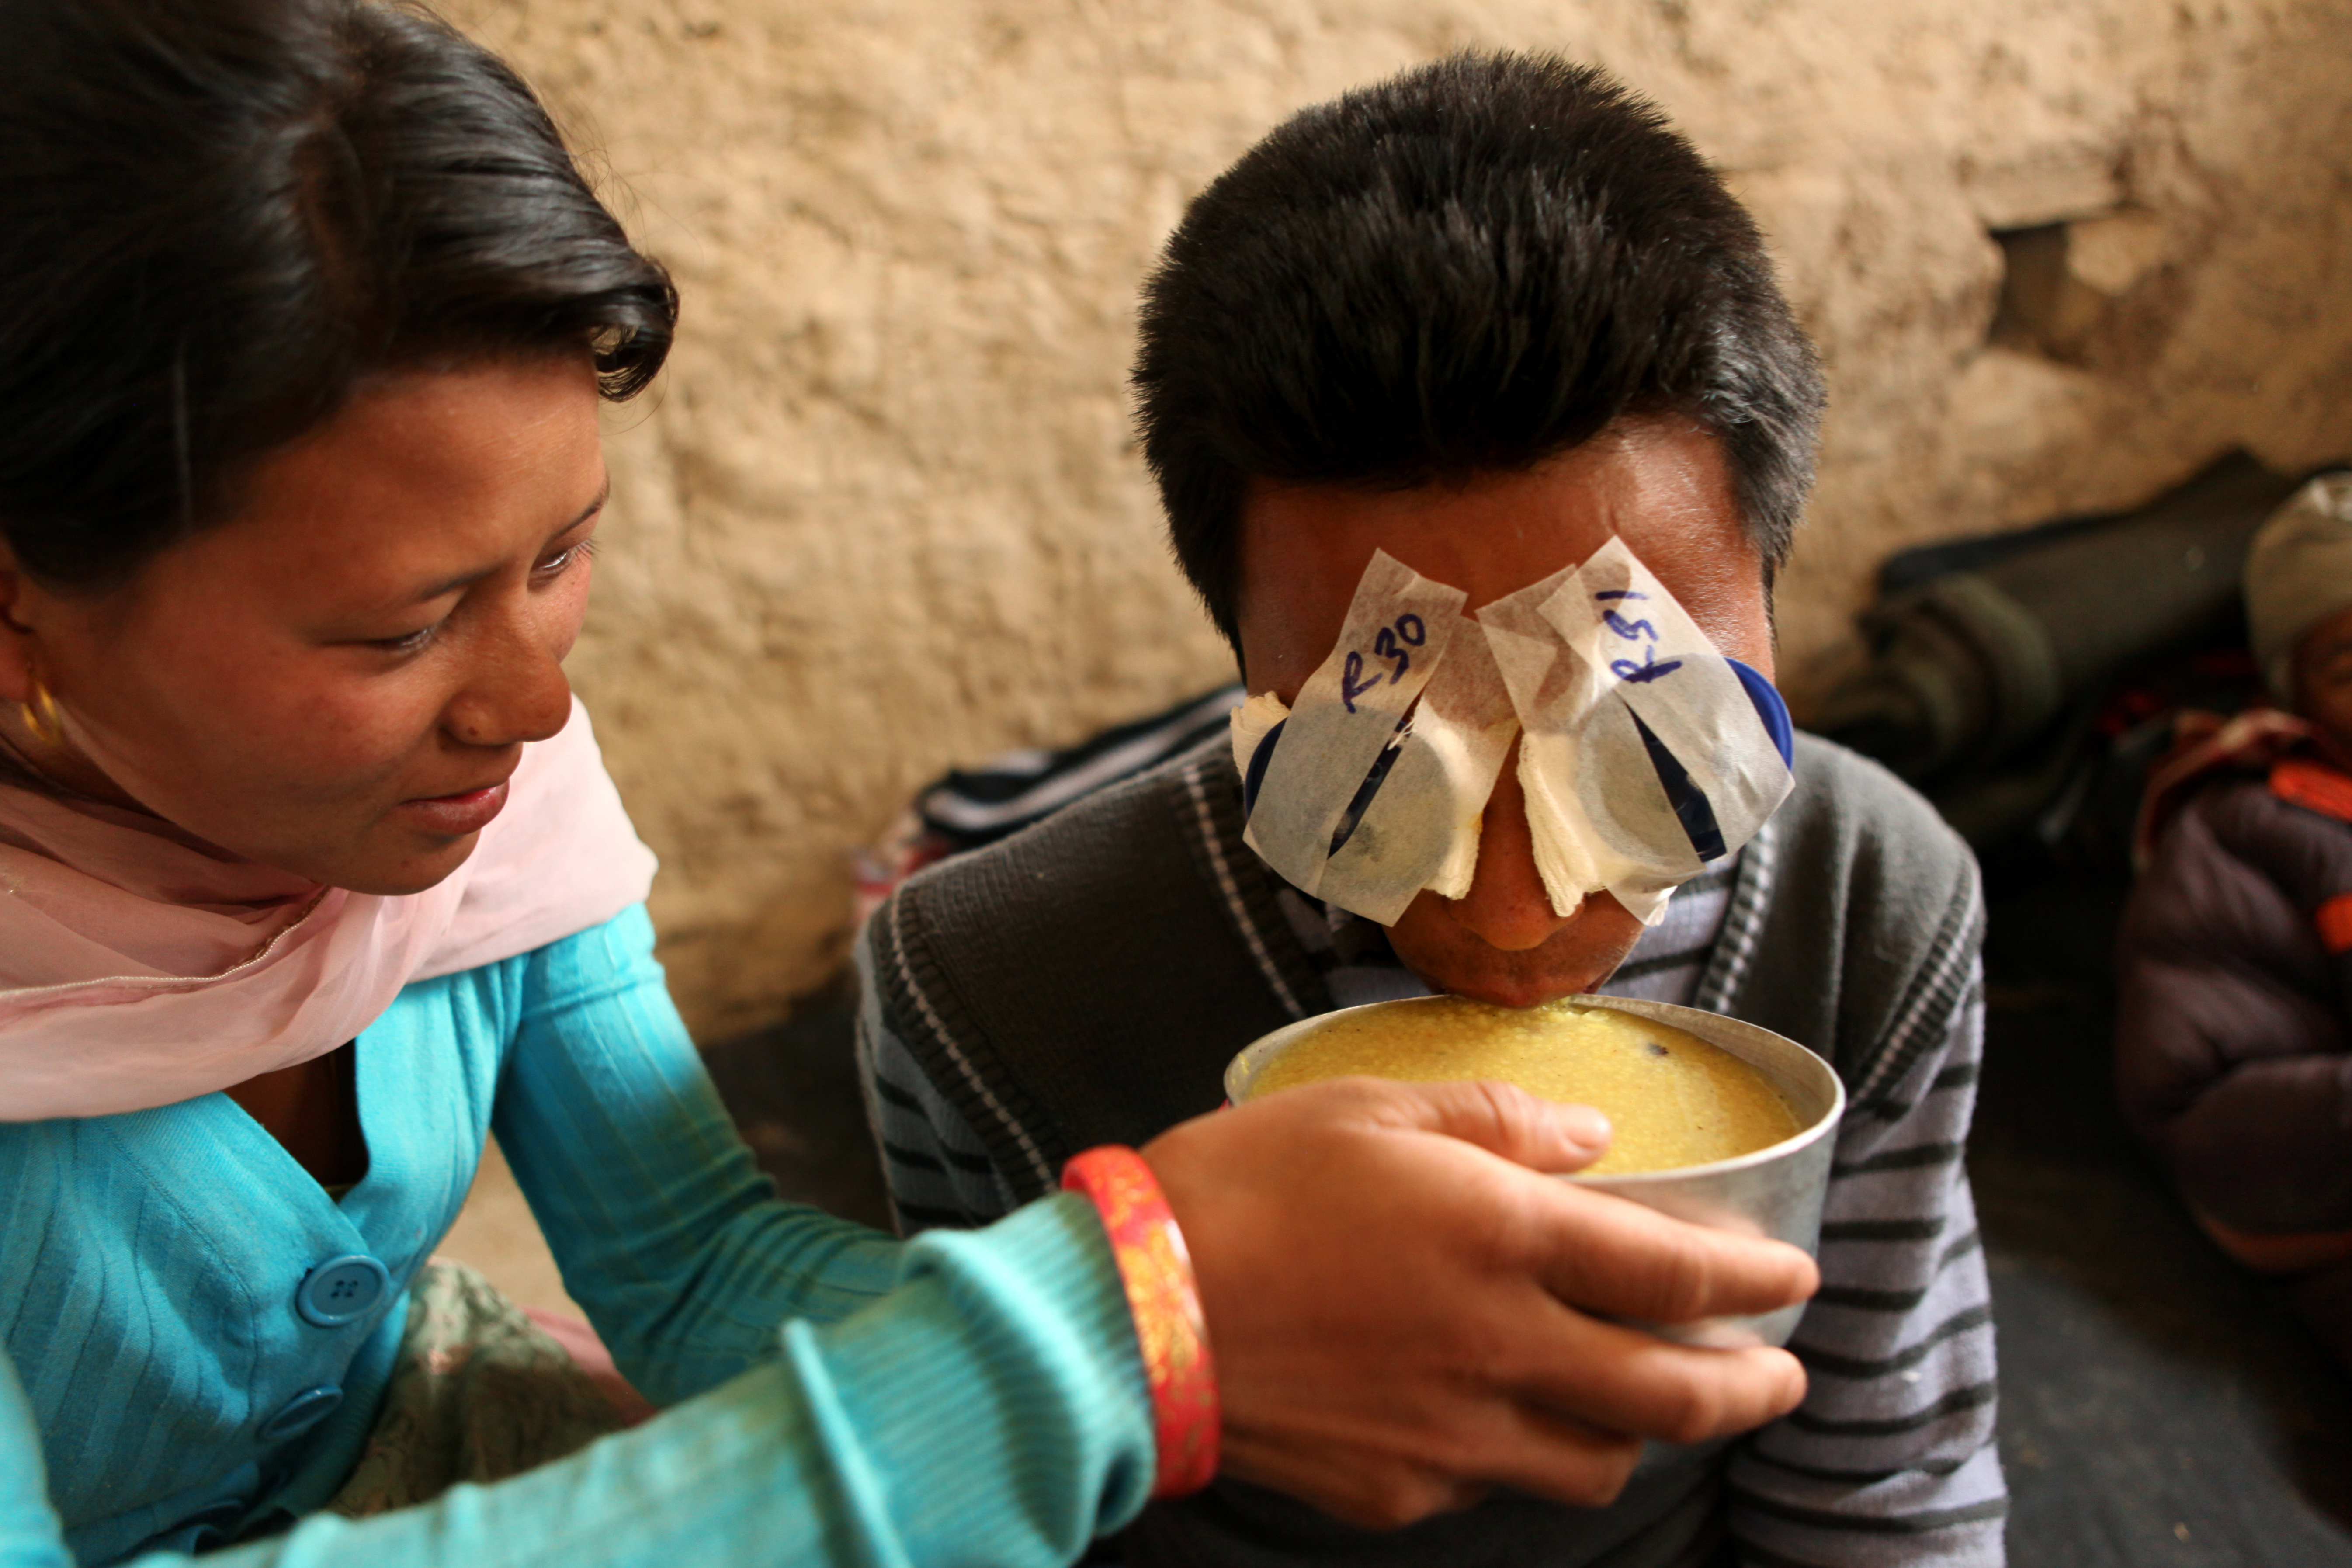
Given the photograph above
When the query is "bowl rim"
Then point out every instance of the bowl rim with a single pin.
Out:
(1708, 1027)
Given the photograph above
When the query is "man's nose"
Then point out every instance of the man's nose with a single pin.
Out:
(1507, 906)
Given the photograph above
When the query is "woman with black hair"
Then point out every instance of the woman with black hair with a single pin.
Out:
(314, 878)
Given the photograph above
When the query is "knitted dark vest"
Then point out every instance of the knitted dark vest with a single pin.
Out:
(1086, 980)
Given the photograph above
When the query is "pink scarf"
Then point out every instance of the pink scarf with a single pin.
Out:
(137, 967)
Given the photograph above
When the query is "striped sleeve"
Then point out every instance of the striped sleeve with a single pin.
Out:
(1890, 1460)
(937, 1171)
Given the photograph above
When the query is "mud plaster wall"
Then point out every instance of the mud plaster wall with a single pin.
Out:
(884, 514)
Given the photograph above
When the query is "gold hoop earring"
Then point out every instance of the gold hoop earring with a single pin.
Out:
(40, 715)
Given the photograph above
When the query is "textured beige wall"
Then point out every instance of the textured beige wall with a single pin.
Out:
(884, 514)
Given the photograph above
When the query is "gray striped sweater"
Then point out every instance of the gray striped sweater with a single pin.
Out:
(1084, 982)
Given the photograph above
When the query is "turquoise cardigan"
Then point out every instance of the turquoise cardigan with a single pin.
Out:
(197, 1337)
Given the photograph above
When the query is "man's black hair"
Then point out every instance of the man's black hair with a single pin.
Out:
(1469, 268)
(217, 217)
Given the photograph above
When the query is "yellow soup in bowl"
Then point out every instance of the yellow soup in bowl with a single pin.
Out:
(1673, 1098)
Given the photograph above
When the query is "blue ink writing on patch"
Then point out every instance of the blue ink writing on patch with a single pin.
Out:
(1408, 631)
(1650, 668)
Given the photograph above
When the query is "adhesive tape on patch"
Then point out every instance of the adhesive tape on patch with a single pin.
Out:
(1693, 706)
(1645, 753)
(1418, 825)
(1348, 715)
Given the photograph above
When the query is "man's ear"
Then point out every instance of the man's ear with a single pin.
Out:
(21, 601)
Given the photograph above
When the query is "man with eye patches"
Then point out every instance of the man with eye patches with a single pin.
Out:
(1486, 319)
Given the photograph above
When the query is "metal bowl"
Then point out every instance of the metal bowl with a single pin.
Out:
(1775, 1191)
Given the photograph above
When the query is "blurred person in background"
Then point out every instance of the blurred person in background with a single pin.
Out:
(2233, 1029)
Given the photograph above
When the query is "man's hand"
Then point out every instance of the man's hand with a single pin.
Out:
(1393, 1296)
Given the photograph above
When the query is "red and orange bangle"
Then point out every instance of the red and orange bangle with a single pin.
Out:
(1157, 1271)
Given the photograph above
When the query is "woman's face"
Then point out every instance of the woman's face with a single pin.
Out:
(338, 680)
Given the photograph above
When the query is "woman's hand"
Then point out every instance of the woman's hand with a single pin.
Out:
(1393, 1296)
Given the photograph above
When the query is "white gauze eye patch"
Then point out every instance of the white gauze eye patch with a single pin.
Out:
(1648, 753)
(1347, 800)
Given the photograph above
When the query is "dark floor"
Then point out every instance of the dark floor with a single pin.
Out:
(2159, 1406)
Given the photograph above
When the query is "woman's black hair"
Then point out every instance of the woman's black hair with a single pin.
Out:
(1469, 268)
(217, 217)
